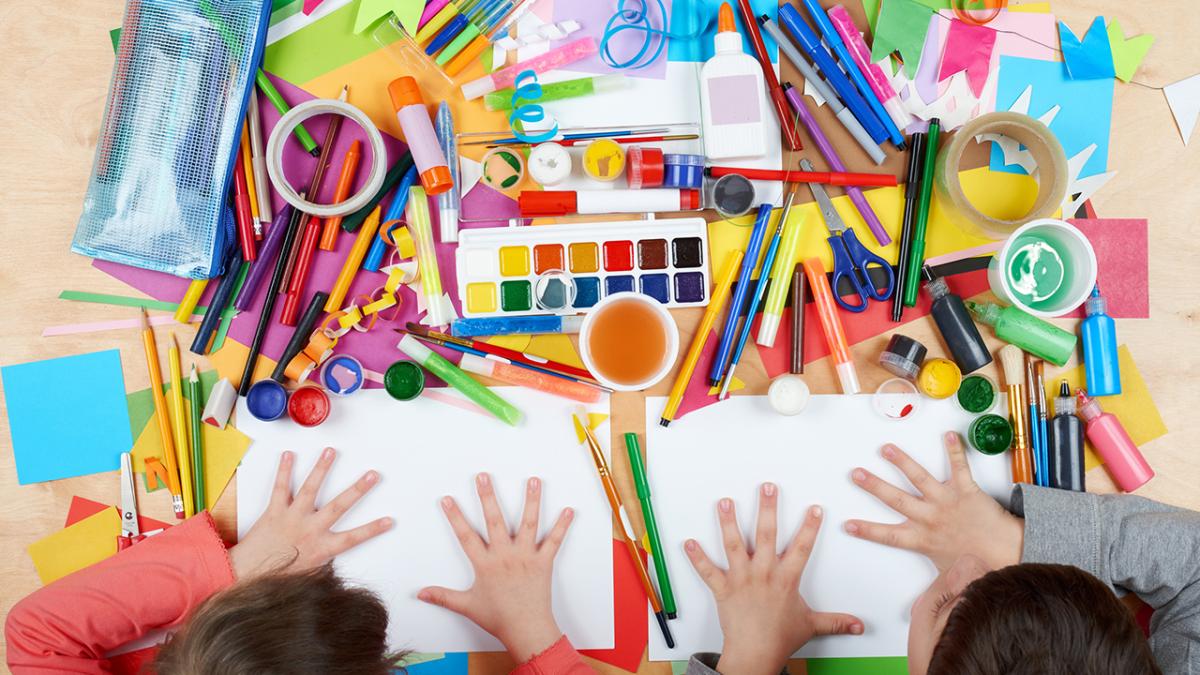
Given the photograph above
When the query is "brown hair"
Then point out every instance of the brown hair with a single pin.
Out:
(1035, 619)
(279, 624)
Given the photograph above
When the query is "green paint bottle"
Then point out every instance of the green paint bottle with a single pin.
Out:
(1026, 331)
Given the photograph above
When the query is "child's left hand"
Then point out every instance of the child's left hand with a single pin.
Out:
(294, 534)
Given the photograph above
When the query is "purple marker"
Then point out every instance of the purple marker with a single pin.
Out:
(265, 260)
(835, 163)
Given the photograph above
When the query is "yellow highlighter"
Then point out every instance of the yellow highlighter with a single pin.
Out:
(781, 281)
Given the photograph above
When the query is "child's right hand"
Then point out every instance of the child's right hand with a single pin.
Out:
(511, 594)
(947, 520)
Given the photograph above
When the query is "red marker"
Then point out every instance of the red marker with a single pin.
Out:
(778, 98)
(304, 256)
(550, 203)
(825, 177)
(241, 206)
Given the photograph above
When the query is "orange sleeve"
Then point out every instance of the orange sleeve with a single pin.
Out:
(559, 658)
(68, 626)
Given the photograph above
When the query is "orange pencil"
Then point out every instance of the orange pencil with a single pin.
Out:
(345, 181)
(164, 422)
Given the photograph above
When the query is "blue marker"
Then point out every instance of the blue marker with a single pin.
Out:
(374, 257)
(448, 33)
(739, 294)
(515, 325)
(829, 68)
(839, 47)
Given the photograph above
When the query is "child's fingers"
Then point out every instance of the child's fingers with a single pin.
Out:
(896, 536)
(527, 532)
(916, 474)
(831, 623)
(281, 493)
(795, 557)
(710, 574)
(898, 500)
(558, 533)
(455, 601)
(731, 535)
(344, 541)
(306, 496)
(960, 470)
(470, 541)
(339, 505)
(764, 539)
(493, 518)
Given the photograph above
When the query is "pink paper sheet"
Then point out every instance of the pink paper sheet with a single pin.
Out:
(968, 48)
(1122, 253)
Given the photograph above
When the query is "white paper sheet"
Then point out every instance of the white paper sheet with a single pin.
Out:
(728, 450)
(424, 450)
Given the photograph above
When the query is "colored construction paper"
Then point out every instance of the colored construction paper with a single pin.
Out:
(126, 301)
(883, 665)
(1184, 99)
(1090, 58)
(1122, 256)
(82, 508)
(318, 47)
(968, 49)
(692, 17)
(310, 5)
(141, 402)
(371, 11)
(696, 394)
(901, 28)
(926, 81)
(1133, 407)
(559, 348)
(67, 416)
(592, 17)
(1127, 53)
(452, 663)
(871, 8)
(223, 451)
(1085, 109)
(85, 543)
(629, 614)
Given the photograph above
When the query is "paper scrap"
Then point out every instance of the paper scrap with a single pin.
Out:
(1184, 99)
(1090, 58)
(451, 663)
(1121, 246)
(310, 5)
(1134, 407)
(85, 543)
(370, 11)
(1127, 53)
(629, 614)
(968, 49)
(82, 508)
(67, 416)
(901, 28)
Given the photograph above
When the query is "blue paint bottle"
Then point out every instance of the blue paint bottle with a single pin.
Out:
(1100, 362)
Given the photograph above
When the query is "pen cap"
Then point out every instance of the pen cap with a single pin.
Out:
(1064, 404)
(477, 365)
(768, 328)
(935, 286)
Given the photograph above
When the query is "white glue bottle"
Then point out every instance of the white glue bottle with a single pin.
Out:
(732, 96)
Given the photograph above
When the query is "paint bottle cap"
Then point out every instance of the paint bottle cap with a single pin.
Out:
(308, 406)
(977, 394)
(727, 39)
(342, 375)
(903, 357)
(1096, 304)
(404, 380)
(789, 395)
(646, 167)
(549, 164)
(896, 399)
(939, 378)
(503, 168)
(266, 400)
(604, 160)
(990, 434)
(733, 195)
(437, 179)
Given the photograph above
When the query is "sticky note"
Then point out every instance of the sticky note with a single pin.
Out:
(85, 543)
(67, 416)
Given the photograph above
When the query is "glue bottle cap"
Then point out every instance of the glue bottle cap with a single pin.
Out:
(725, 22)
(1089, 408)
(727, 40)
(1096, 304)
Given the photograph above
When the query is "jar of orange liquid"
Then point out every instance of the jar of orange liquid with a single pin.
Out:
(629, 341)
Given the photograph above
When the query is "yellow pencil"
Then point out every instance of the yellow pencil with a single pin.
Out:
(183, 450)
(715, 304)
(160, 410)
(366, 234)
(250, 189)
(190, 299)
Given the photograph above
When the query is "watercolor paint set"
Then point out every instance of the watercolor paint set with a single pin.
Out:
(568, 268)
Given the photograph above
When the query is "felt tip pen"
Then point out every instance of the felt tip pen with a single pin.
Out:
(778, 100)
(642, 485)
(515, 325)
(717, 373)
(916, 257)
(781, 280)
(861, 53)
(379, 246)
(811, 44)
(831, 325)
(554, 59)
(455, 377)
(448, 201)
(830, 34)
(552, 203)
(499, 369)
(824, 177)
(268, 89)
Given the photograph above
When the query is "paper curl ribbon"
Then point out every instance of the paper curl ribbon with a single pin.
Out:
(317, 351)
(526, 88)
(302, 113)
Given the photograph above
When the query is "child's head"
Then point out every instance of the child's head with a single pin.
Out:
(309, 622)
(1028, 618)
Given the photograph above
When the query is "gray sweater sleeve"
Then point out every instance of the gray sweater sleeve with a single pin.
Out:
(1133, 545)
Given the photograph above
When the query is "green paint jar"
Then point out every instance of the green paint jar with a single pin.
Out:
(990, 434)
(977, 394)
(404, 380)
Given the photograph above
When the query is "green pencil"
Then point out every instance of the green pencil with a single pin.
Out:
(276, 99)
(917, 259)
(656, 547)
(194, 395)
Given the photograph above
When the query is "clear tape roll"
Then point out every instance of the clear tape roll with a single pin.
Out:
(1051, 177)
(302, 113)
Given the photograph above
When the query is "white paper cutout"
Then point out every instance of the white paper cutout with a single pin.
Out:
(813, 93)
(1183, 97)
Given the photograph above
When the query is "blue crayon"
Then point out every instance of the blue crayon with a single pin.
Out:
(515, 325)
(739, 295)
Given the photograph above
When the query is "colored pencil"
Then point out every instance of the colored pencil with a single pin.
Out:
(340, 193)
(179, 424)
(251, 183)
(194, 395)
(511, 354)
(324, 155)
(164, 420)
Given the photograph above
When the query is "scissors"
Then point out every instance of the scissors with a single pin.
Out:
(850, 258)
(130, 532)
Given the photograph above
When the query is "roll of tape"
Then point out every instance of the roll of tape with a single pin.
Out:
(302, 113)
(1052, 175)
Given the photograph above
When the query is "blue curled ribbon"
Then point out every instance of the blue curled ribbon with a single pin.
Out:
(639, 20)
(526, 88)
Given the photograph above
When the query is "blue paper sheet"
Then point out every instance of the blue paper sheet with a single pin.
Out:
(1085, 114)
(453, 663)
(687, 15)
(67, 416)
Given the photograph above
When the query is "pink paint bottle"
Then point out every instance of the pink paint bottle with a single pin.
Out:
(1120, 454)
(420, 136)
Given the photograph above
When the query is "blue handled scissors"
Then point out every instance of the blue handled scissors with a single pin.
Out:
(850, 258)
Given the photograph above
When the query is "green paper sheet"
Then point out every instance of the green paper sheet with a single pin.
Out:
(871, 7)
(892, 665)
(320, 47)
(141, 403)
(901, 28)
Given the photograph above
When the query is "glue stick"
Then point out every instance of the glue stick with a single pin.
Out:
(420, 136)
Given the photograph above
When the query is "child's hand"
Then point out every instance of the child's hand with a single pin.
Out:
(293, 533)
(762, 615)
(948, 520)
(511, 594)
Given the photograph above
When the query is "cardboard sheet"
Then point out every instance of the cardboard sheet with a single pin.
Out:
(423, 450)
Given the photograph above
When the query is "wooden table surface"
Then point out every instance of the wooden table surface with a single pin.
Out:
(56, 69)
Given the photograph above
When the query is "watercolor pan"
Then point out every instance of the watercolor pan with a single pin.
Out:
(664, 259)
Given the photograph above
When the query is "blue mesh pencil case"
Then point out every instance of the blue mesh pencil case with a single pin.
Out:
(157, 197)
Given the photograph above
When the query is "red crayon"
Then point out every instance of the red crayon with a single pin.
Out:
(308, 246)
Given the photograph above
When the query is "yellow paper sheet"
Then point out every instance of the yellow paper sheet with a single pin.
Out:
(1031, 8)
(594, 422)
(1133, 407)
(85, 543)
(230, 359)
(735, 385)
(994, 193)
(518, 343)
(556, 348)
(223, 451)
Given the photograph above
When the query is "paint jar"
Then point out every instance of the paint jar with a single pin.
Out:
(1046, 267)
(266, 400)
(733, 195)
(404, 380)
(685, 172)
(549, 164)
(555, 291)
(342, 375)
(903, 357)
(503, 168)
(977, 394)
(788, 395)
(604, 160)
(939, 378)
(308, 406)
(646, 167)
(990, 434)
(629, 341)
(896, 399)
